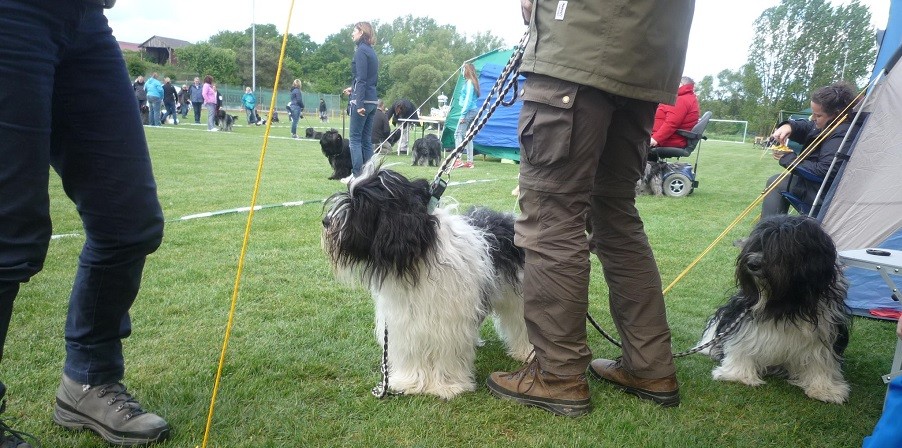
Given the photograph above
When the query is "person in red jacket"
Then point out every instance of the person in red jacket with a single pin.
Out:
(682, 115)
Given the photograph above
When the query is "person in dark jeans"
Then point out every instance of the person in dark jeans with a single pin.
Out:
(296, 107)
(170, 97)
(196, 94)
(75, 111)
(362, 99)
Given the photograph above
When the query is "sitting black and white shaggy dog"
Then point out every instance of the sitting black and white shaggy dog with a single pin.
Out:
(434, 277)
(337, 149)
(427, 149)
(797, 323)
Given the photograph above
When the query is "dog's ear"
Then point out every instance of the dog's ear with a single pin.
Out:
(403, 240)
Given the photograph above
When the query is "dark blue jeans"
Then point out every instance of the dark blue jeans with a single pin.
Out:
(295, 116)
(170, 112)
(360, 137)
(73, 109)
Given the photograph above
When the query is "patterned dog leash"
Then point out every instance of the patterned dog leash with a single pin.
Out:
(503, 85)
(506, 81)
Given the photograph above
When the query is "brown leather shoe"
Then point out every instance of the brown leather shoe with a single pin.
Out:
(566, 395)
(663, 391)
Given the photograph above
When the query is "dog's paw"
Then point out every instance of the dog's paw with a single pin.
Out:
(827, 392)
(724, 374)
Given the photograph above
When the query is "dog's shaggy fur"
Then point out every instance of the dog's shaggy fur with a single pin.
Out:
(434, 277)
(224, 120)
(427, 149)
(338, 151)
(652, 181)
(797, 324)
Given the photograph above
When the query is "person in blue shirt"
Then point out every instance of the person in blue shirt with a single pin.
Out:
(467, 100)
(250, 105)
(363, 98)
(196, 95)
(154, 89)
(888, 432)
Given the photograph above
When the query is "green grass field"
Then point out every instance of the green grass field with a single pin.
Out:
(302, 357)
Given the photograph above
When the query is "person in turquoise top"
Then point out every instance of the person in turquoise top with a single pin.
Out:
(250, 105)
(154, 89)
(467, 100)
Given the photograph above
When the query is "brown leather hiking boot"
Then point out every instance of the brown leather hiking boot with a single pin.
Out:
(566, 395)
(663, 391)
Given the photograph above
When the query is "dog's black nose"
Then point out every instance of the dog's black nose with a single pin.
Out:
(326, 221)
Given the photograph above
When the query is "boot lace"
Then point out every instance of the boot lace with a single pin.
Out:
(119, 394)
(531, 369)
(10, 438)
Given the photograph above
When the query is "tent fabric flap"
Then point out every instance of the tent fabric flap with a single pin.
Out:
(867, 205)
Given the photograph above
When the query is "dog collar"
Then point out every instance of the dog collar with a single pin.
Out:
(436, 189)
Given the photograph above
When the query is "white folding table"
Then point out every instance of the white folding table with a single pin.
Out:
(885, 265)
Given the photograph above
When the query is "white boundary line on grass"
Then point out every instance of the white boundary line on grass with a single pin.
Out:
(229, 211)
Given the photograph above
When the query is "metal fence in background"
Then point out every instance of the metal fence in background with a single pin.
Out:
(231, 99)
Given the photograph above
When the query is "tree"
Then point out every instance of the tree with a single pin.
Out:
(206, 59)
(416, 55)
(801, 45)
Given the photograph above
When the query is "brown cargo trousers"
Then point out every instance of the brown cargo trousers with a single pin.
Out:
(581, 152)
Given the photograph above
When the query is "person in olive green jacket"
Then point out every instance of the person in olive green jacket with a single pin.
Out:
(596, 71)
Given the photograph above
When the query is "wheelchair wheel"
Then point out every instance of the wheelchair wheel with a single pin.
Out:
(677, 185)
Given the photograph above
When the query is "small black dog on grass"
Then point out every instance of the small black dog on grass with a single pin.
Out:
(425, 149)
(311, 133)
(338, 151)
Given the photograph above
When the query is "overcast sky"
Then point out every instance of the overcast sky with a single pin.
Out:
(720, 37)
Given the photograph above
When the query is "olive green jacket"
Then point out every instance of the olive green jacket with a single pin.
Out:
(631, 48)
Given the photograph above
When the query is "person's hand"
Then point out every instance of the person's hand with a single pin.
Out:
(347, 91)
(653, 142)
(361, 111)
(782, 134)
(526, 10)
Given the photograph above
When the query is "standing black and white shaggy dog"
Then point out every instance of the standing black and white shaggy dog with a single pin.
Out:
(434, 277)
(797, 323)
(224, 120)
(427, 149)
(337, 149)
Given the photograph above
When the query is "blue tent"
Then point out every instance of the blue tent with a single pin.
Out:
(499, 136)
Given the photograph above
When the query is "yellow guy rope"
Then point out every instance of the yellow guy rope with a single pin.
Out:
(247, 232)
(820, 138)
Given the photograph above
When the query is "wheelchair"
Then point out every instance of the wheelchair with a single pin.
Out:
(679, 178)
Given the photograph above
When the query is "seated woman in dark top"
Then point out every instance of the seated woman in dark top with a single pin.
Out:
(826, 104)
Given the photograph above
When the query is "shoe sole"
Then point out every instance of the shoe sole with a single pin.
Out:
(76, 421)
(665, 399)
(566, 408)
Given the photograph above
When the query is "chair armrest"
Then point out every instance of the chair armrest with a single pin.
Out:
(807, 174)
